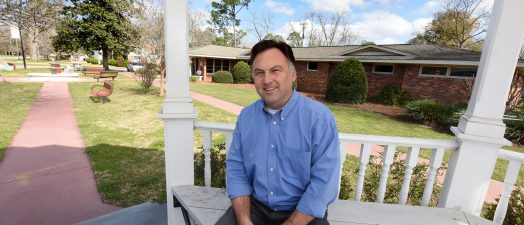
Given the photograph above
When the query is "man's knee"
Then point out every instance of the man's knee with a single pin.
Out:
(228, 218)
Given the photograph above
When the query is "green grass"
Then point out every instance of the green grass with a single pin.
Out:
(124, 141)
(21, 72)
(20, 64)
(352, 120)
(15, 101)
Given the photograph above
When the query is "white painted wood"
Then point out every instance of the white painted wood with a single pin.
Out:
(511, 156)
(481, 131)
(206, 205)
(510, 179)
(365, 152)
(411, 162)
(229, 139)
(207, 136)
(221, 127)
(399, 141)
(434, 165)
(389, 153)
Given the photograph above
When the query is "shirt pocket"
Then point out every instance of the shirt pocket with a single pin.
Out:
(296, 161)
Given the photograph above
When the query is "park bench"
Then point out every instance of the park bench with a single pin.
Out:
(55, 68)
(205, 205)
(99, 73)
(102, 92)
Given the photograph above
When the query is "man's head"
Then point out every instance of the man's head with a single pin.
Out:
(273, 72)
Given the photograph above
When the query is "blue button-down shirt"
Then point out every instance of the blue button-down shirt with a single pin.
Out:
(289, 160)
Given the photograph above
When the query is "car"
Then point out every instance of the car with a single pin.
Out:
(134, 66)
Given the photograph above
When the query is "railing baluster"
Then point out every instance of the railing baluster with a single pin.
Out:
(229, 139)
(411, 161)
(206, 134)
(343, 147)
(434, 165)
(389, 153)
(509, 180)
(365, 151)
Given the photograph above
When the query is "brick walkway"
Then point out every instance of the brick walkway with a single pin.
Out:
(45, 177)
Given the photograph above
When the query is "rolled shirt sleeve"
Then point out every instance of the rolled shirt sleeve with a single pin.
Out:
(325, 171)
(237, 181)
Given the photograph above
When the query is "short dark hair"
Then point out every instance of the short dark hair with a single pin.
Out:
(268, 44)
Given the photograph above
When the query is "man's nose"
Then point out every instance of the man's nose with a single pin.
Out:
(267, 78)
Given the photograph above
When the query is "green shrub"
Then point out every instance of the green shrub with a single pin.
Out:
(194, 78)
(434, 113)
(391, 94)
(241, 73)
(348, 84)
(515, 127)
(222, 77)
(218, 166)
(91, 60)
(515, 212)
(111, 62)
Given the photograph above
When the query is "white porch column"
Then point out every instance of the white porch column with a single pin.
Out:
(177, 111)
(481, 130)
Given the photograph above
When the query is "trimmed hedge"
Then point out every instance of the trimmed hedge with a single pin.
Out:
(241, 73)
(515, 128)
(391, 94)
(515, 212)
(348, 84)
(222, 77)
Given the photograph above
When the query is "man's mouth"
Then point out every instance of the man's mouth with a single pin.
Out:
(270, 89)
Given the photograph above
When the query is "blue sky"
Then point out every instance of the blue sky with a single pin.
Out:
(381, 21)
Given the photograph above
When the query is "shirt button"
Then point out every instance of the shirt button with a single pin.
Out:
(271, 193)
(275, 209)
(272, 146)
(274, 122)
(282, 118)
(270, 169)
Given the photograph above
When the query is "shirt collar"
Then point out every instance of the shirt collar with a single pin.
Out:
(287, 107)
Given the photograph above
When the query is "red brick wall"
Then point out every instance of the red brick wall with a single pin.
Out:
(312, 81)
(447, 90)
(377, 81)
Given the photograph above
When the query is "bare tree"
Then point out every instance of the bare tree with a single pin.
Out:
(297, 35)
(326, 29)
(198, 34)
(260, 26)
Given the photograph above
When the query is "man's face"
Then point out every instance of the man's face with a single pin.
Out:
(273, 78)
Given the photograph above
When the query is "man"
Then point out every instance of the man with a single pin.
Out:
(283, 166)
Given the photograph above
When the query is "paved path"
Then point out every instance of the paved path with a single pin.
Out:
(45, 177)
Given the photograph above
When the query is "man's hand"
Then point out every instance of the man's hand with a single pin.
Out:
(298, 218)
(242, 207)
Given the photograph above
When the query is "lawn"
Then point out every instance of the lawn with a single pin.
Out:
(20, 64)
(352, 120)
(21, 72)
(15, 101)
(124, 141)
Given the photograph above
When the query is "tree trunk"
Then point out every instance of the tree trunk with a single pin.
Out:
(34, 45)
(105, 57)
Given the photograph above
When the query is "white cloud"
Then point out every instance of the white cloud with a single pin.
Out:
(429, 8)
(333, 5)
(379, 25)
(279, 7)
(420, 24)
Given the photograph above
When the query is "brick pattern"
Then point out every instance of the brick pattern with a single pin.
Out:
(376, 80)
(312, 81)
(446, 90)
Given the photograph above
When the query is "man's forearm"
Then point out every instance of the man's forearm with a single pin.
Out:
(298, 218)
(242, 207)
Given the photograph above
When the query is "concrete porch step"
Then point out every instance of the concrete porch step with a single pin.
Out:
(143, 214)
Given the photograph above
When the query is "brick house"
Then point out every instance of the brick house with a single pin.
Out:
(425, 71)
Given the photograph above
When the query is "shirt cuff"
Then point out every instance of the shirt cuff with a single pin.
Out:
(312, 206)
(239, 189)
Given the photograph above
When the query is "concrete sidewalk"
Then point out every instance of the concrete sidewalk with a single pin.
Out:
(45, 177)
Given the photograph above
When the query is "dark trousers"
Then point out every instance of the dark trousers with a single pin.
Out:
(262, 215)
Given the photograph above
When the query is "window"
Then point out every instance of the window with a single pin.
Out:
(434, 70)
(215, 65)
(463, 72)
(312, 66)
(382, 69)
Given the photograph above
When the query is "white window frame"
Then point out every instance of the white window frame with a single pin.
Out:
(382, 64)
(307, 66)
(448, 71)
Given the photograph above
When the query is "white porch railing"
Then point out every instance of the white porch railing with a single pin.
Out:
(515, 161)
(390, 144)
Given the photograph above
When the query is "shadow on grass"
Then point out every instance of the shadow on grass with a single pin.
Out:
(127, 176)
